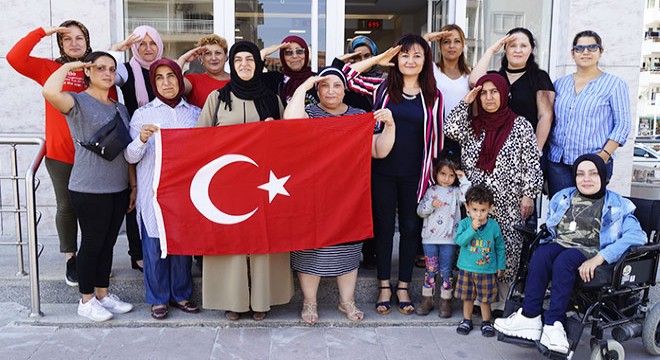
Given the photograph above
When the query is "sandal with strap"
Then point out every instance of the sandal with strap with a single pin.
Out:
(351, 310)
(309, 313)
(386, 305)
(464, 327)
(185, 307)
(405, 307)
(159, 312)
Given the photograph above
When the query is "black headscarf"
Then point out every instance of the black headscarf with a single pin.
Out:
(254, 89)
(64, 58)
(602, 173)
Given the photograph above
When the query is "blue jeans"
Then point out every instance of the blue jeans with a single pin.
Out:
(560, 176)
(164, 279)
(551, 262)
(445, 258)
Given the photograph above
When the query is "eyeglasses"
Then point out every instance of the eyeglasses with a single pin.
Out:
(289, 52)
(591, 47)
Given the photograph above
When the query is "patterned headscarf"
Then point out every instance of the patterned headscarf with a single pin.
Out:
(64, 58)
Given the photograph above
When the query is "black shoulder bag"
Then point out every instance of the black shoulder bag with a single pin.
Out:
(110, 140)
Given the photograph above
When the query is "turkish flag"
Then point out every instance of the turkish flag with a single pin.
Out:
(264, 187)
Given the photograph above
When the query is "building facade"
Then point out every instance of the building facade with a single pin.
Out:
(326, 25)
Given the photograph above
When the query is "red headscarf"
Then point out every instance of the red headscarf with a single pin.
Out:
(497, 124)
(296, 78)
(177, 71)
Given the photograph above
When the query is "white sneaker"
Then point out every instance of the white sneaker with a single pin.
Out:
(93, 310)
(113, 304)
(518, 325)
(554, 338)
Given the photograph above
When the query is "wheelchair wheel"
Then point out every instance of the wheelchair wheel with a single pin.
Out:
(615, 351)
(651, 331)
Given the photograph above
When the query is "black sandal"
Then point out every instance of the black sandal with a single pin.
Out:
(385, 304)
(464, 327)
(487, 329)
(402, 305)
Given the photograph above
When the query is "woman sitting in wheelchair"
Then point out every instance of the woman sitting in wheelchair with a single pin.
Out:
(590, 225)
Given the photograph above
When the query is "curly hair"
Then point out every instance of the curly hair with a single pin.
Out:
(213, 39)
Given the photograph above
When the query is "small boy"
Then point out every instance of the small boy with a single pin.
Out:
(481, 260)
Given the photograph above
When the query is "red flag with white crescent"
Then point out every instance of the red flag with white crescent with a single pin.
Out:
(264, 187)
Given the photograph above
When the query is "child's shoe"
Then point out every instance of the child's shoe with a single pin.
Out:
(445, 308)
(487, 329)
(518, 325)
(445, 303)
(427, 302)
(464, 327)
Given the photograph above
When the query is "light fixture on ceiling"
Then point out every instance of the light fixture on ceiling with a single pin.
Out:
(294, 31)
(238, 37)
(362, 32)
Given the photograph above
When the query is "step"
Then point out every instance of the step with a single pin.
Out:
(65, 315)
(129, 283)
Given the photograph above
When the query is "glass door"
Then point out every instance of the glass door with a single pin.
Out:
(268, 22)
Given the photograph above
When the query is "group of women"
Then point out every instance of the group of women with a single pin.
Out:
(420, 108)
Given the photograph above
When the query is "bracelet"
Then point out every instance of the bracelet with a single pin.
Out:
(607, 152)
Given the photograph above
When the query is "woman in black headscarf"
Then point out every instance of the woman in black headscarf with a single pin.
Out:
(240, 283)
(246, 98)
(590, 226)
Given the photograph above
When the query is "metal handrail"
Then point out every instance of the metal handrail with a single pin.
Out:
(31, 184)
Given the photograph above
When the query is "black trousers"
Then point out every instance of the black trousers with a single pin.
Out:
(100, 217)
(389, 194)
(133, 235)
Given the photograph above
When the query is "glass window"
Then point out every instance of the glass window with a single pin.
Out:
(487, 21)
(180, 23)
(384, 21)
(268, 22)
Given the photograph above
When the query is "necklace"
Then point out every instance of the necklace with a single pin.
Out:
(573, 224)
(516, 71)
(408, 97)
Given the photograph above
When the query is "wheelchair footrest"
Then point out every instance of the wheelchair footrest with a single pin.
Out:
(515, 340)
(551, 354)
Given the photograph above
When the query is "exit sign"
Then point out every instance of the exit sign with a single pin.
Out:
(370, 24)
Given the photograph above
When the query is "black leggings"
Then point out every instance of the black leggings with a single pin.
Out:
(100, 217)
(389, 194)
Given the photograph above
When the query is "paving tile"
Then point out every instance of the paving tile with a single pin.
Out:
(408, 343)
(242, 343)
(21, 342)
(472, 346)
(353, 344)
(181, 343)
(131, 343)
(71, 344)
(298, 343)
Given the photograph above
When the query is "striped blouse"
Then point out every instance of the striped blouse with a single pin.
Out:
(585, 121)
(183, 115)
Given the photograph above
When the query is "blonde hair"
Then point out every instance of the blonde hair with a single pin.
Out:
(213, 39)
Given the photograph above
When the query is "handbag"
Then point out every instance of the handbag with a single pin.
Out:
(110, 140)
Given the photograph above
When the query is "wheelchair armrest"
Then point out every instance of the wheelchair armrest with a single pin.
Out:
(602, 277)
(642, 249)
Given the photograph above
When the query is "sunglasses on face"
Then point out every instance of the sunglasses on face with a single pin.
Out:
(591, 47)
(288, 52)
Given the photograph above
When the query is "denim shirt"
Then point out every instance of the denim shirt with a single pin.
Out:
(619, 227)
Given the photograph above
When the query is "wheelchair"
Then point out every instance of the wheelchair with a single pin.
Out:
(617, 298)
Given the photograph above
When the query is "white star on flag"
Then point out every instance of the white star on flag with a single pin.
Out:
(275, 186)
